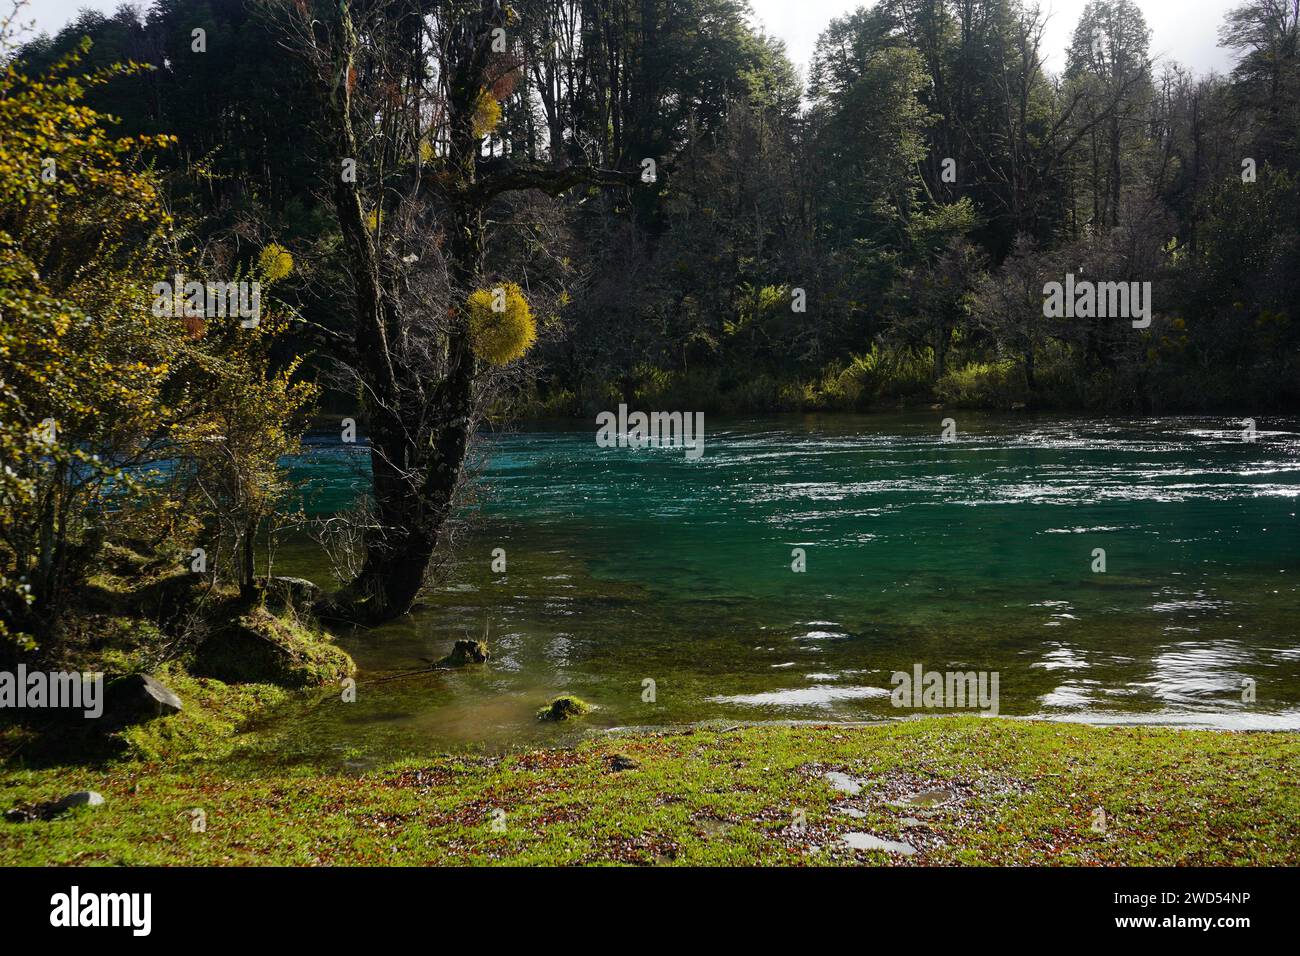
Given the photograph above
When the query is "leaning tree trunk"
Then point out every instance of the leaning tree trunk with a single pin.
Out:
(416, 473)
(419, 434)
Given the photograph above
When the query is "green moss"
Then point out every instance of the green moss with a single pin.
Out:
(111, 643)
(1026, 794)
(319, 661)
(564, 707)
(209, 724)
(261, 647)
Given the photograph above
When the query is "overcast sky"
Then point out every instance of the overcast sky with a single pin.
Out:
(1183, 30)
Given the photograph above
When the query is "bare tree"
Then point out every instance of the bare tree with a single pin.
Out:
(408, 93)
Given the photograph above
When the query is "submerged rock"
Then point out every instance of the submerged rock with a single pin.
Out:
(926, 799)
(564, 707)
(466, 652)
(138, 697)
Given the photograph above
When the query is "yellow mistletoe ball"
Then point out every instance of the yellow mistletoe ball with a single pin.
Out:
(274, 263)
(487, 114)
(501, 324)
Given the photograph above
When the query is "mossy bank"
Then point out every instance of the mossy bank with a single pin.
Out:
(216, 659)
(951, 790)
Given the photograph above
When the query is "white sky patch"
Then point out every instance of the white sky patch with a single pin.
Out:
(1182, 30)
(51, 16)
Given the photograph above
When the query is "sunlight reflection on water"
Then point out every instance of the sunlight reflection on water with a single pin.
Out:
(632, 564)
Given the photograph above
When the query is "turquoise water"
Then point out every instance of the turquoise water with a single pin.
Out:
(628, 565)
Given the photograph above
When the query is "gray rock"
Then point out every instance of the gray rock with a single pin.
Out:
(843, 782)
(138, 697)
(291, 594)
(82, 798)
(48, 810)
(865, 841)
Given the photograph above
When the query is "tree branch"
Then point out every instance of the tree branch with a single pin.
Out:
(501, 176)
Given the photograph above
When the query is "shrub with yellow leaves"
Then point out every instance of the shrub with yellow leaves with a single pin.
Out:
(114, 420)
(501, 323)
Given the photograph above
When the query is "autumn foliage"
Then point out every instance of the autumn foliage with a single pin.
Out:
(113, 419)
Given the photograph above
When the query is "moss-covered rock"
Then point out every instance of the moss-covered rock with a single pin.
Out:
(259, 647)
(130, 560)
(564, 707)
(209, 726)
(466, 652)
(170, 600)
(294, 595)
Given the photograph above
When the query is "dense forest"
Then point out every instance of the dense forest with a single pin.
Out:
(917, 192)
(462, 212)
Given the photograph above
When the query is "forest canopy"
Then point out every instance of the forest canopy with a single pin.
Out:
(920, 189)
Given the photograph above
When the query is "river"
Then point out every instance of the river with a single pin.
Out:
(629, 566)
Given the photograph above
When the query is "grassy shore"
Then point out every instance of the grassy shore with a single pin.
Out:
(1013, 792)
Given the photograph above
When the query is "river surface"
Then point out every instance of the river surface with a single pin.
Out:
(627, 566)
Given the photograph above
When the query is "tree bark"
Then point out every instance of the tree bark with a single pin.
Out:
(419, 433)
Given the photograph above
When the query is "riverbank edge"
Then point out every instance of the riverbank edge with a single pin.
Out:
(951, 790)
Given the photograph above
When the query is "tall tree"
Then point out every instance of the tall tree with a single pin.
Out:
(409, 92)
(1108, 62)
(1266, 33)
